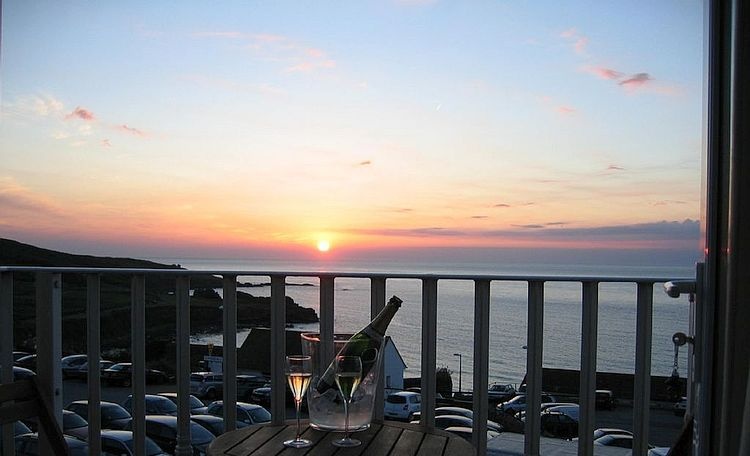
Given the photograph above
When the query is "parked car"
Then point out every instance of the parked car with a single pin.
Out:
(27, 362)
(120, 443)
(247, 414)
(616, 440)
(28, 445)
(262, 396)
(213, 423)
(206, 385)
(446, 421)
(18, 354)
(605, 431)
(246, 384)
(70, 364)
(162, 429)
(197, 407)
(518, 403)
(558, 425)
(121, 374)
(680, 407)
(605, 399)
(155, 405)
(113, 416)
(466, 432)
(447, 411)
(499, 392)
(402, 405)
(20, 373)
(83, 370)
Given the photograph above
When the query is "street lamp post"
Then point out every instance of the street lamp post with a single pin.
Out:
(460, 370)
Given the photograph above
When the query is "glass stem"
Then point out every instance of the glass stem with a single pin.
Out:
(346, 422)
(297, 404)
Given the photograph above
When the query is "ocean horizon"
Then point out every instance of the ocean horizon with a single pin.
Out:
(508, 307)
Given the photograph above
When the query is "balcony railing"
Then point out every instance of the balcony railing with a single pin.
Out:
(49, 304)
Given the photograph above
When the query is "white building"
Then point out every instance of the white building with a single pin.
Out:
(393, 367)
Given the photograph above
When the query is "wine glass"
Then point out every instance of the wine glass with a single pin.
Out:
(298, 374)
(348, 376)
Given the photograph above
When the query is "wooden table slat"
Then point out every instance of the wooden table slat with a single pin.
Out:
(433, 445)
(458, 446)
(232, 439)
(324, 446)
(387, 439)
(384, 440)
(408, 443)
(256, 440)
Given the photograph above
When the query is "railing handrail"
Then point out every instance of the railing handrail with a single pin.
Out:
(348, 274)
(48, 289)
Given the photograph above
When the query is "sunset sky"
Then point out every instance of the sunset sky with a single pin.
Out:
(232, 128)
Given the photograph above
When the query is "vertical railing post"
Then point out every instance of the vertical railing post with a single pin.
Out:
(377, 304)
(429, 349)
(93, 325)
(6, 349)
(182, 293)
(229, 352)
(327, 351)
(49, 345)
(481, 364)
(534, 353)
(642, 387)
(138, 355)
(278, 348)
(587, 388)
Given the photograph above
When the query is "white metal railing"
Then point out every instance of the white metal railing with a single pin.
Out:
(49, 303)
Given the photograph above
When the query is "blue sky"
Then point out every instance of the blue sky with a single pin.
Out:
(274, 125)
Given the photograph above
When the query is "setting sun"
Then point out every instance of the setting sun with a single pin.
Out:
(324, 245)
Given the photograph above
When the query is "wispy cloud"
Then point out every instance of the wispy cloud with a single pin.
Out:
(615, 168)
(604, 73)
(365, 163)
(636, 80)
(501, 205)
(565, 110)
(82, 114)
(687, 230)
(124, 128)
(295, 56)
(579, 41)
(16, 198)
(479, 216)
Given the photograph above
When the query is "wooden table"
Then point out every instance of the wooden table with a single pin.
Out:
(379, 440)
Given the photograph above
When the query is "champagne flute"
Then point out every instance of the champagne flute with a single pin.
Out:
(348, 376)
(298, 374)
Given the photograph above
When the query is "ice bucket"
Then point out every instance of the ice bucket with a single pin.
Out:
(326, 409)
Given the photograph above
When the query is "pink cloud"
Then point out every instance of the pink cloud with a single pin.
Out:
(565, 110)
(81, 113)
(105, 143)
(131, 130)
(579, 41)
(636, 80)
(604, 73)
(571, 32)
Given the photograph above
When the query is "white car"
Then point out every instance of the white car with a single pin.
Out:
(402, 405)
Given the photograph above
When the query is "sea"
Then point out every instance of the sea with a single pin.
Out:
(508, 313)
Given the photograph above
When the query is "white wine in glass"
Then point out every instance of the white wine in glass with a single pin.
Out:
(298, 374)
(348, 375)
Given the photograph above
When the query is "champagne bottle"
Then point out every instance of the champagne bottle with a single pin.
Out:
(366, 344)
